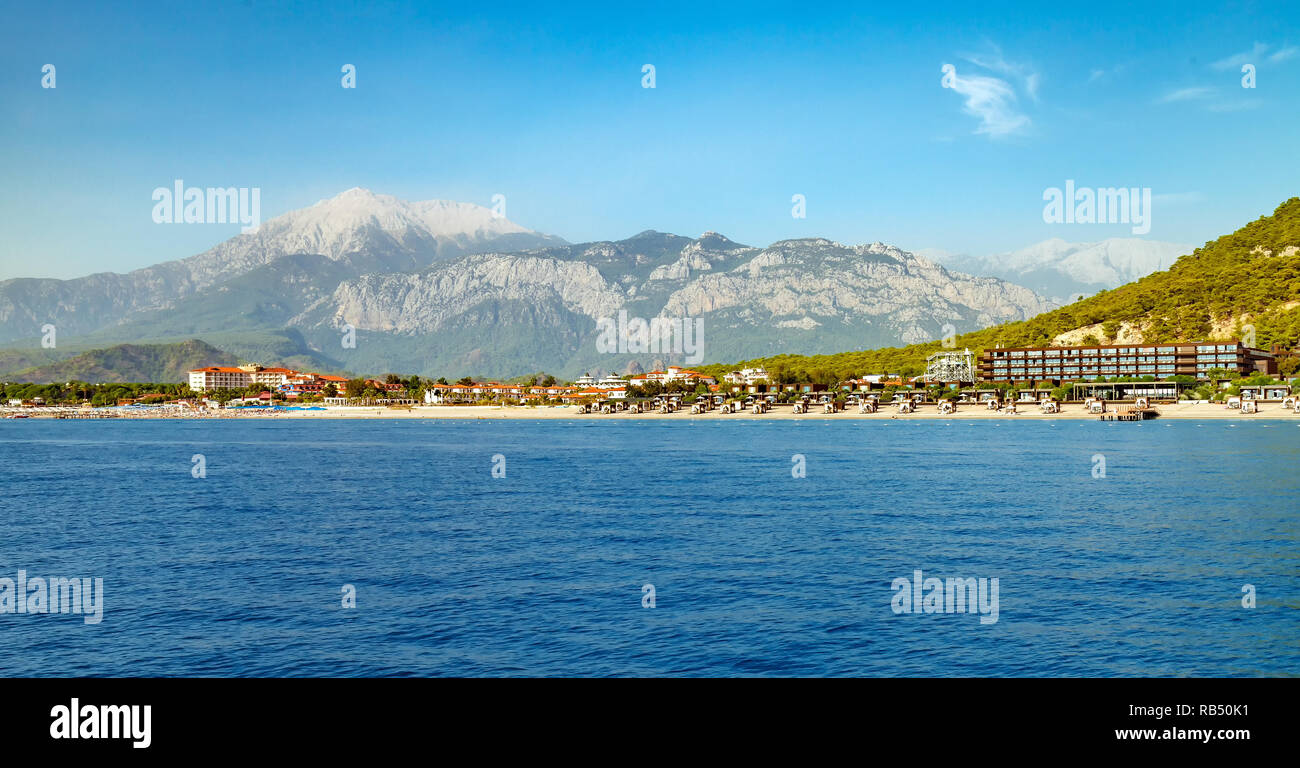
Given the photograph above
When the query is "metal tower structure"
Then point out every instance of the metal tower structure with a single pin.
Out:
(950, 366)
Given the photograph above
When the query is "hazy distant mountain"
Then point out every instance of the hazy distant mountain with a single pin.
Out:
(355, 233)
(1064, 270)
(443, 288)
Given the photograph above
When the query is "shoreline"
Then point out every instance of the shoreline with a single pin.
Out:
(1069, 412)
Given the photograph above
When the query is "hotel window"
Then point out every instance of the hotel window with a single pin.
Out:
(1017, 354)
(1147, 350)
(1227, 348)
(1209, 348)
(1168, 350)
(1227, 358)
(1034, 353)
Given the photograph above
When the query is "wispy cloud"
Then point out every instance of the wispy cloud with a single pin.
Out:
(1107, 72)
(1253, 56)
(1257, 53)
(990, 99)
(994, 61)
(995, 101)
(1283, 54)
(1210, 99)
(1234, 106)
(1194, 93)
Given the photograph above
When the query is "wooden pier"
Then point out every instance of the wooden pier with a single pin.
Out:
(1130, 413)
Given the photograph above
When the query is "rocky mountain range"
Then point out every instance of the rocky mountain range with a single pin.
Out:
(355, 233)
(369, 283)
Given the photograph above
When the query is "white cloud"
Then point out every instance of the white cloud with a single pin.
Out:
(1209, 99)
(990, 99)
(1283, 54)
(1234, 106)
(1245, 57)
(1195, 93)
(1257, 53)
(994, 61)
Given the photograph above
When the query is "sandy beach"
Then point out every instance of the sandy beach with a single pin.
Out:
(1074, 411)
(1030, 413)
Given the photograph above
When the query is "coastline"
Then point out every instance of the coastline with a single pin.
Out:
(1069, 412)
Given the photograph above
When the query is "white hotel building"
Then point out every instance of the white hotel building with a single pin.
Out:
(226, 377)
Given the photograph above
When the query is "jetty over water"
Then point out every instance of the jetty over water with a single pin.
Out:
(1130, 413)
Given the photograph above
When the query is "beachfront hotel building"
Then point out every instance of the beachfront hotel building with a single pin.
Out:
(219, 377)
(238, 377)
(243, 376)
(1061, 364)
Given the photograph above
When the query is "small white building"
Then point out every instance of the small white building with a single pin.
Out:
(746, 376)
(673, 373)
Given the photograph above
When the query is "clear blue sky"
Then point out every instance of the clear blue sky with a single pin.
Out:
(753, 104)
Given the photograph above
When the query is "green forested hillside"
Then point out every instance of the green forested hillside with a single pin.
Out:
(129, 362)
(1251, 276)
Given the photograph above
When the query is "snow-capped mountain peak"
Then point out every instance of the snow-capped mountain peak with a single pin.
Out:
(358, 207)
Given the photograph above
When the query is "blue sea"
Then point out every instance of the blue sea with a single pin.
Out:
(755, 571)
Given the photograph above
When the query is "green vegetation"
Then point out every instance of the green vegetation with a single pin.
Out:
(75, 392)
(1249, 276)
(129, 362)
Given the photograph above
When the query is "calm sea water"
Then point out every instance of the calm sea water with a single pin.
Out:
(755, 572)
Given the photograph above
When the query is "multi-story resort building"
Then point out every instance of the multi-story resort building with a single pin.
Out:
(1079, 363)
(292, 383)
(219, 377)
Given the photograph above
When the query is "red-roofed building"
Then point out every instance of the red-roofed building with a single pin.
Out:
(219, 377)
